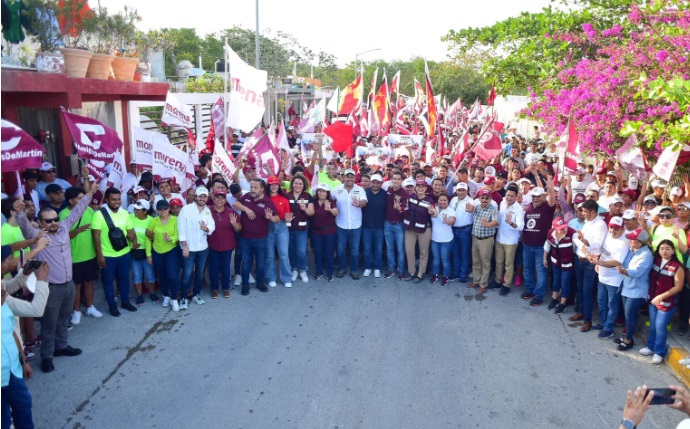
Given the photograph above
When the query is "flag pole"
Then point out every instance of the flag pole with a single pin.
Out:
(226, 99)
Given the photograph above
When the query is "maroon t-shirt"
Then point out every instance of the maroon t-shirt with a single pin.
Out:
(223, 237)
(257, 228)
(393, 215)
(538, 222)
(323, 222)
(300, 222)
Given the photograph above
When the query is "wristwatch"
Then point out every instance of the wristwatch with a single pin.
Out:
(628, 424)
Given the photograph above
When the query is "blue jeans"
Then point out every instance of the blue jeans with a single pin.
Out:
(462, 251)
(562, 281)
(533, 260)
(238, 255)
(16, 404)
(116, 268)
(195, 262)
(586, 283)
(219, 264)
(253, 249)
(167, 267)
(372, 240)
(608, 298)
(632, 311)
(324, 246)
(278, 237)
(353, 237)
(395, 246)
(141, 269)
(658, 320)
(441, 257)
(298, 250)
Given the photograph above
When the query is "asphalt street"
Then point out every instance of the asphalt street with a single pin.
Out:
(372, 353)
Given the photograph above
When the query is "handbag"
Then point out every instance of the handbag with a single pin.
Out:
(117, 237)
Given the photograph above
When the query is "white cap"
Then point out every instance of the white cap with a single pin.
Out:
(377, 178)
(616, 200)
(676, 191)
(323, 186)
(536, 192)
(633, 182)
(629, 214)
(523, 180)
(138, 189)
(108, 167)
(616, 221)
(658, 184)
(461, 185)
(142, 205)
(201, 191)
(490, 171)
(46, 166)
(650, 198)
(408, 182)
(349, 171)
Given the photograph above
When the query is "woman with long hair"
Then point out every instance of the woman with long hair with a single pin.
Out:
(163, 252)
(302, 207)
(323, 231)
(278, 236)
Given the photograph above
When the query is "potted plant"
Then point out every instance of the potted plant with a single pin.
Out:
(71, 15)
(124, 32)
(39, 18)
(99, 38)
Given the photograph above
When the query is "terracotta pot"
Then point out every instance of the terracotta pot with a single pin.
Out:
(50, 62)
(99, 66)
(124, 68)
(76, 61)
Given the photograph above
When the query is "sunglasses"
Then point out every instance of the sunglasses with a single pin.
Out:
(52, 171)
(682, 209)
(665, 216)
(55, 219)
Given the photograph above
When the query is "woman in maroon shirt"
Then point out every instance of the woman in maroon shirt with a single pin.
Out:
(302, 207)
(323, 231)
(221, 244)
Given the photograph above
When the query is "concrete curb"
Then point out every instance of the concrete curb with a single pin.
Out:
(673, 360)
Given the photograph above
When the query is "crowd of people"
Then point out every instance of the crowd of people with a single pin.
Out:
(594, 235)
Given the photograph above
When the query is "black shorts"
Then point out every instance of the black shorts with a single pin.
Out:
(86, 271)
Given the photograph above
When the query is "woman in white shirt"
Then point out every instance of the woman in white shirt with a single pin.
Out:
(442, 221)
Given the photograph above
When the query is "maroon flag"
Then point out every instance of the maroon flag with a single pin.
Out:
(19, 150)
(572, 149)
(266, 157)
(492, 96)
(218, 118)
(92, 139)
(489, 145)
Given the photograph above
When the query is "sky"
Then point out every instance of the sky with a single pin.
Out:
(399, 29)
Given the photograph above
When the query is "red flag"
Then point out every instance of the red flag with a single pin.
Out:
(291, 111)
(351, 97)
(441, 143)
(572, 150)
(19, 150)
(395, 84)
(461, 147)
(211, 139)
(372, 92)
(488, 146)
(430, 102)
(418, 94)
(492, 96)
(632, 158)
(342, 137)
(497, 126)
(380, 108)
(475, 112)
(266, 157)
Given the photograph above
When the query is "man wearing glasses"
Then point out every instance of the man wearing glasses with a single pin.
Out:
(58, 255)
(485, 222)
(48, 177)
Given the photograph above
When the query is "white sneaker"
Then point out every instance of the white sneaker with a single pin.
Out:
(656, 360)
(183, 304)
(251, 279)
(166, 301)
(175, 305)
(685, 361)
(238, 280)
(272, 284)
(303, 275)
(294, 276)
(646, 351)
(288, 284)
(198, 300)
(377, 274)
(93, 312)
(76, 318)
(366, 273)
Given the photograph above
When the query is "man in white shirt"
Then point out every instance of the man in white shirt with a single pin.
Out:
(511, 222)
(588, 241)
(462, 232)
(194, 224)
(350, 199)
(613, 253)
(580, 181)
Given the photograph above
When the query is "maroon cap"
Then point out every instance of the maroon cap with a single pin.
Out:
(490, 180)
(628, 192)
(176, 202)
(601, 170)
(559, 223)
(579, 198)
(483, 192)
(420, 182)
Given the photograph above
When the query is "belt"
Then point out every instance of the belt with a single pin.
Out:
(463, 227)
(583, 259)
(392, 222)
(483, 238)
(60, 284)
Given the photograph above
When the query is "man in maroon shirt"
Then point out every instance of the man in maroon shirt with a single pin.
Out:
(257, 211)
(393, 231)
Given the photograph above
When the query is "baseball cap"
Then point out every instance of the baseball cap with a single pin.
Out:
(408, 182)
(524, 180)
(658, 184)
(628, 192)
(163, 204)
(483, 193)
(201, 191)
(323, 186)
(633, 182)
(490, 180)
(420, 182)
(176, 202)
(579, 172)
(273, 180)
(138, 189)
(502, 175)
(612, 174)
(53, 187)
(376, 178)
(616, 200)
(649, 199)
(142, 205)
(601, 170)
(629, 214)
(559, 223)
(97, 197)
(579, 198)
(46, 166)
(220, 194)
(108, 168)
(474, 163)
(537, 192)
(349, 171)
(461, 185)
(676, 191)
(668, 209)
(637, 234)
(490, 171)
(247, 169)
(616, 222)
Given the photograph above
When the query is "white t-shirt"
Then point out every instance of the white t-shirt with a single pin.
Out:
(614, 249)
(440, 231)
(580, 187)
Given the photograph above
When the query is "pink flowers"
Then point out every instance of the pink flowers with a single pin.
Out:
(661, 56)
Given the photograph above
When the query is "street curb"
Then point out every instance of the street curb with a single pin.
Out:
(673, 360)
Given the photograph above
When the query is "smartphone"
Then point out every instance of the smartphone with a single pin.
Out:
(662, 396)
(34, 265)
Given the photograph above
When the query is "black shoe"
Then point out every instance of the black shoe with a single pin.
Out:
(553, 303)
(535, 302)
(140, 300)
(462, 280)
(153, 297)
(560, 308)
(527, 295)
(417, 280)
(504, 291)
(128, 306)
(355, 276)
(329, 278)
(340, 274)
(262, 288)
(114, 311)
(245, 290)
(47, 365)
(619, 340)
(67, 351)
(624, 347)
(682, 330)
(495, 285)
(388, 275)
(407, 277)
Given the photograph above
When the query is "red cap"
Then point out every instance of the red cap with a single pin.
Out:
(601, 170)
(628, 192)
(579, 198)
(273, 180)
(247, 169)
(559, 223)
(483, 192)
(176, 202)
(420, 182)
(490, 180)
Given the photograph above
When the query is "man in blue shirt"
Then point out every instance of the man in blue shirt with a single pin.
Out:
(373, 219)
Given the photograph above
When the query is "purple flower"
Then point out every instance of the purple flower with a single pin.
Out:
(661, 56)
(587, 28)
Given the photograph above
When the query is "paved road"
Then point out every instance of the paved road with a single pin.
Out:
(373, 353)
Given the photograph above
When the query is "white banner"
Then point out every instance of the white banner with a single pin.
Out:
(666, 163)
(176, 113)
(310, 146)
(400, 141)
(170, 162)
(246, 98)
(144, 142)
(222, 164)
(117, 172)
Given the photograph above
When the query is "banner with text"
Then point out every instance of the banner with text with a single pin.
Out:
(19, 150)
(176, 113)
(310, 146)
